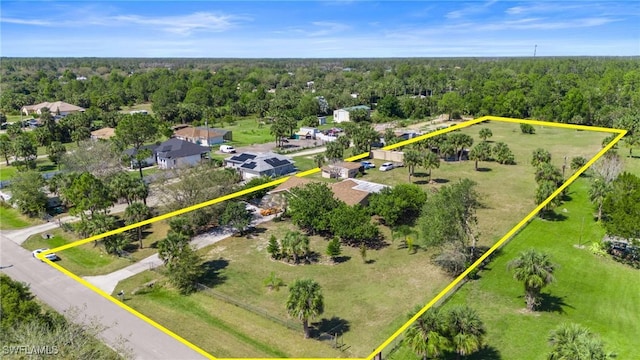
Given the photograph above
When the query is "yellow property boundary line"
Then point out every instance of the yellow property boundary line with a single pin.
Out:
(444, 292)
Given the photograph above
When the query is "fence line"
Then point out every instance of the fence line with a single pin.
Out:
(261, 312)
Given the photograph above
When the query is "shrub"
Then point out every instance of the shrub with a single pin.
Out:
(527, 129)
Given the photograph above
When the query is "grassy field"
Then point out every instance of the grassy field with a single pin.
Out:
(350, 297)
(218, 327)
(87, 259)
(10, 219)
(505, 205)
(145, 106)
(596, 292)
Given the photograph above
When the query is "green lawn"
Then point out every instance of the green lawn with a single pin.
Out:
(249, 131)
(145, 106)
(349, 294)
(88, 259)
(595, 292)
(42, 165)
(10, 219)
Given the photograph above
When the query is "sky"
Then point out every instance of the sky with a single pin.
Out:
(319, 29)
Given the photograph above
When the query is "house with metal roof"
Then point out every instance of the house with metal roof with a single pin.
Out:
(252, 165)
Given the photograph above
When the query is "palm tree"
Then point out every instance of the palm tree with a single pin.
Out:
(430, 161)
(466, 330)
(485, 133)
(540, 156)
(427, 337)
(295, 245)
(135, 213)
(305, 301)
(319, 160)
(412, 158)
(631, 141)
(535, 270)
(573, 341)
(597, 193)
(480, 152)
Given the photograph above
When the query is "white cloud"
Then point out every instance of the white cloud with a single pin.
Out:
(26, 22)
(184, 24)
(470, 10)
(327, 28)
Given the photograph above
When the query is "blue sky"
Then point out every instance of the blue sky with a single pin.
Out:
(319, 29)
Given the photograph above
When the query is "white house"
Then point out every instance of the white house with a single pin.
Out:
(342, 115)
(175, 153)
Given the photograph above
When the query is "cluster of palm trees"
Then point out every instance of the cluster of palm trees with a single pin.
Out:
(438, 332)
(294, 246)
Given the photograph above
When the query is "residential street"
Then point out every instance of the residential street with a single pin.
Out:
(61, 293)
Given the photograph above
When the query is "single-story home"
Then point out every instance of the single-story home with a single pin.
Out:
(341, 170)
(55, 108)
(103, 134)
(342, 115)
(252, 165)
(172, 153)
(199, 135)
(350, 191)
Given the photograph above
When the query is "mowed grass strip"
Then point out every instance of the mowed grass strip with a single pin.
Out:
(596, 292)
(222, 329)
(89, 259)
(11, 219)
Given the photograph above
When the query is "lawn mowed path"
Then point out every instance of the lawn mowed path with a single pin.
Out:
(596, 292)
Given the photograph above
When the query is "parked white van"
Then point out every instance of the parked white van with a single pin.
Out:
(227, 149)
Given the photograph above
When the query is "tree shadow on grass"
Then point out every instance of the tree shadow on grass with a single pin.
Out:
(484, 169)
(552, 303)
(211, 272)
(486, 353)
(341, 259)
(552, 216)
(325, 328)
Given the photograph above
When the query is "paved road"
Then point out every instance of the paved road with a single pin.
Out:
(62, 292)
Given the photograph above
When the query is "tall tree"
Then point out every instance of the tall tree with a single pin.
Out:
(182, 262)
(135, 130)
(430, 161)
(27, 193)
(480, 152)
(135, 213)
(310, 205)
(485, 133)
(450, 103)
(236, 215)
(412, 157)
(87, 193)
(621, 208)
(466, 330)
(305, 301)
(25, 151)
(56, 149)
(535, 270)
(6, 147)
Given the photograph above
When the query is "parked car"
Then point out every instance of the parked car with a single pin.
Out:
(386, 166)
(367, 165)
(227, 149)
(52, 256)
